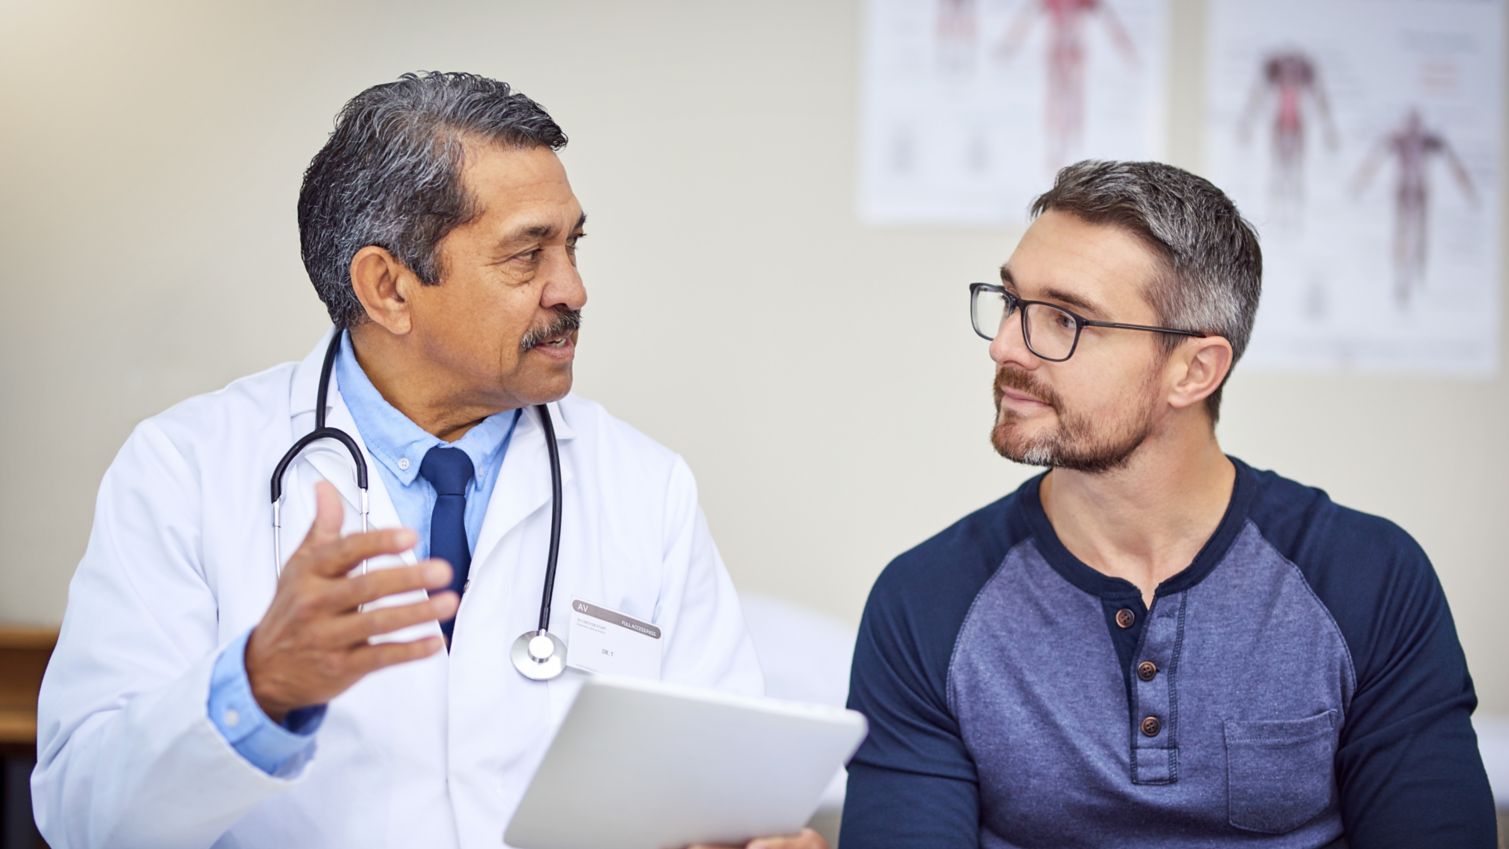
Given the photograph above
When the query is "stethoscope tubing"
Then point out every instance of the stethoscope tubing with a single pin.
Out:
(555, 516)
(321, 431)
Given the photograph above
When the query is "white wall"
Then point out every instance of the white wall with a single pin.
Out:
(818, 374)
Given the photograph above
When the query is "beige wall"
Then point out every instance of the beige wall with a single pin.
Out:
(817, 373)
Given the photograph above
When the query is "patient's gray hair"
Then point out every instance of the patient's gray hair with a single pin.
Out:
(1213, 265)
(390, 174)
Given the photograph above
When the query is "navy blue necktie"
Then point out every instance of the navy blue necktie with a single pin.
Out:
(449, 470)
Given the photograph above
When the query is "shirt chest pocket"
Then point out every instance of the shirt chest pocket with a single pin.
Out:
(1280, 774)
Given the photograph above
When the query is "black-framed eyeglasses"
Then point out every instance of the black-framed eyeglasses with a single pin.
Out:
(1050, 331)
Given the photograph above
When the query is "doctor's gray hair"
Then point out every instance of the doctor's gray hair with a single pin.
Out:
(1212, 264)
(390, 174)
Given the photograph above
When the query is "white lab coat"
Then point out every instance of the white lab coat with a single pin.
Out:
(434, 753)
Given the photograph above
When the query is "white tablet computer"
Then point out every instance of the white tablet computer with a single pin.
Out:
(646, 765)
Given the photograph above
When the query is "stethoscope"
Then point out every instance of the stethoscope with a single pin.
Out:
(538, 655)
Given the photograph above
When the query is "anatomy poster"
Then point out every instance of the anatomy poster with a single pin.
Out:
(1362, 138)
(970, 106)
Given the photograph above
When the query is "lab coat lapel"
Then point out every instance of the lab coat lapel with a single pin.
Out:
(523, 485)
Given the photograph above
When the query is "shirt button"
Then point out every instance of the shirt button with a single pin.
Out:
(1151, 726)
(1147, 670)
(232, 717)
(403, 464)
(1125, 618)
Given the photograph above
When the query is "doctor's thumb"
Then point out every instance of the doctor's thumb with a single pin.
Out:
(328, 514)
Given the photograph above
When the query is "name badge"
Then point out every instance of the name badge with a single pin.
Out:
(607, 642)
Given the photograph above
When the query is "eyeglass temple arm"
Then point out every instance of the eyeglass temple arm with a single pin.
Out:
(1088, 322)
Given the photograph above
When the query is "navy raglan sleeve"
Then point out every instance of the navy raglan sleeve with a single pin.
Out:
(1408, 769)
(913, 783)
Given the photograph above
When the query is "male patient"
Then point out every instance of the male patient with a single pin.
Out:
(1152, 643)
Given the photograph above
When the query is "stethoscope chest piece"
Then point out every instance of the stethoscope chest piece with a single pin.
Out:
(538, 655)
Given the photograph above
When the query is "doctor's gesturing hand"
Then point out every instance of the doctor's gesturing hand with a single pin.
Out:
(312, 644)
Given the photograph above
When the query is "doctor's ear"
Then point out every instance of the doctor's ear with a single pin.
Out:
(382, 283)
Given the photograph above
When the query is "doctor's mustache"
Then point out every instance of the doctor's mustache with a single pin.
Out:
(567, 320)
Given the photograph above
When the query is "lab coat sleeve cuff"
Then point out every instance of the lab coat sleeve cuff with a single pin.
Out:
(276, 749)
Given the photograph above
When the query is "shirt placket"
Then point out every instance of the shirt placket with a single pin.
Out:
(1155, 706)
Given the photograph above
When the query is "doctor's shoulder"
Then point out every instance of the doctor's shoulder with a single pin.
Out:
(242, 422)
(620, 451)
(629, 480)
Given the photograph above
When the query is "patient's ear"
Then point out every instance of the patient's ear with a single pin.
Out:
(382, 284)
(1200, 366)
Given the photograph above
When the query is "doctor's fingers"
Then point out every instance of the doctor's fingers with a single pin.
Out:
(372, 657)
(356, 628)
(333, 558)
(807, 839)
(349, 593)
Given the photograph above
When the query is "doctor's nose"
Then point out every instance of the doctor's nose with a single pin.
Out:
(563, 285)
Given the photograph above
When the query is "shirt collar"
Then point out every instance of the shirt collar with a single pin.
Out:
(400, 444)
(1095, 582)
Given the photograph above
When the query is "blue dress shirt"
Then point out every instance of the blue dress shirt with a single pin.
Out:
(398, 445)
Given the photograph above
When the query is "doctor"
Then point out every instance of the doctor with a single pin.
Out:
(357, 688)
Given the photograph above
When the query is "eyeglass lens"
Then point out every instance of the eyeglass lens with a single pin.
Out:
(1050, 331)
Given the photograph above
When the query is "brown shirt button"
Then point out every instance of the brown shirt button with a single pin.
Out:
(1125, 618)
(1147, 670)
(1151, 726)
